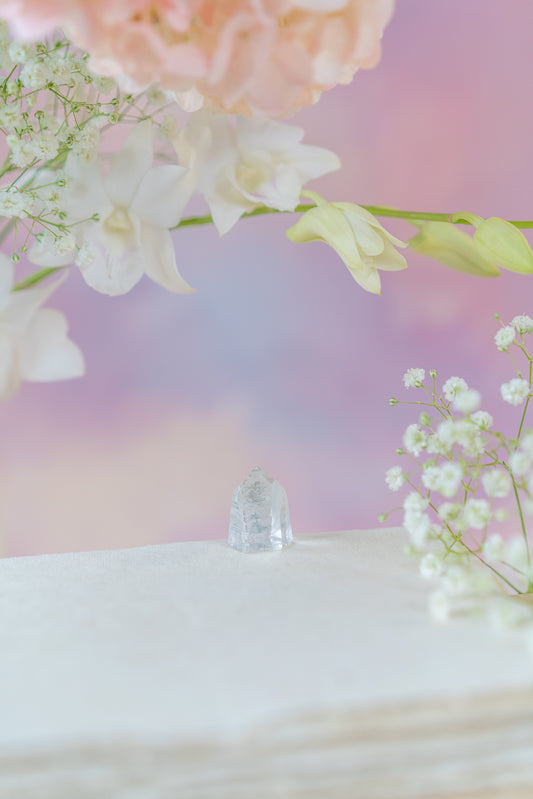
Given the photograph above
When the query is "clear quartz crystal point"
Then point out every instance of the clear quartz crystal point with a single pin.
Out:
(259, 518)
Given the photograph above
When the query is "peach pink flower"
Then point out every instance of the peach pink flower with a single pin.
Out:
(246, 56)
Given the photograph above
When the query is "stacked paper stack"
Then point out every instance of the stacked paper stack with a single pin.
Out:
(193, 671)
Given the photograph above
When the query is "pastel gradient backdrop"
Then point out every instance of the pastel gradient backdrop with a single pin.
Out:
(280, 359)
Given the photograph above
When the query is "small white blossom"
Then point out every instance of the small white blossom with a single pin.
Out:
(504, 338)
(87, 255)
(414, 439)
(440, 606)
(519, 463)
(516, 553)
(482, 419)
(431, 566)
(494, 548)
(414, 378)
(415, 504)
(447, 433)
(477, 513)
(458, 581)
(44, 146)
(435, 446)
(395, 478)
(11, 116)
(64, 244)
(509, 612)
(12, 202)
(21, 52)
(449, 511)
(469, 438)
(451, 475)
(467, 401)
(36, 74)
(526, 442)
(105, 85)
(168, 130)
(523, 324)
(515, 391)
(21, 154)
(419, 529)
(496, 483)
(453, 386)
(431, 477)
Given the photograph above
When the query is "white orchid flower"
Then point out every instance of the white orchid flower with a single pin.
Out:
(356, 236)
(34, 344)
(136, 204)
(253, 162)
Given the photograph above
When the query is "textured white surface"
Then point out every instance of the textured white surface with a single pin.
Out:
(196, 644)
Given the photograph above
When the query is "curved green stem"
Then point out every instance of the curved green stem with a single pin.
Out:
(377, 210)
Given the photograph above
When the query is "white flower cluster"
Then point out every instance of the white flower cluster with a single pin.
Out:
(464, 470)
(63, 203)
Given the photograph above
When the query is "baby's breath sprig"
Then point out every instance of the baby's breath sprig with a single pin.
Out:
(460, 469)
(53, 107)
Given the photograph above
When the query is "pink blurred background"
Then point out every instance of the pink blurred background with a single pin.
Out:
(280, 359)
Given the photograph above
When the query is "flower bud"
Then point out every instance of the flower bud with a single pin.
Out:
(505, 245)
(452, 247)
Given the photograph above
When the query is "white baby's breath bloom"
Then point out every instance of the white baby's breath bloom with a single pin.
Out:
(496, 483)
(519, 463)
(44, 146)
(458, 581)
(64, 244)
(87, 255)
(414, 378)
(526, 442)
(494, 548)
(516, 553)
(453, 386)
(523, 324)
(515, 391)
(435, 446)
(13, 202)
(168, 130)
(36, 74)
(11, 116)
(477, 513)
(451, 475)
(440, 606)
(449, 511)
(431, 566)
(467, 401)
(508, 612)
(106, 85)
(21, 154)
(414, 439)
(431, 477)
(482, 419)
(21, 52)
(415, 504)
(469, 438)
(504, 338)
(395, 478)
(419, 529)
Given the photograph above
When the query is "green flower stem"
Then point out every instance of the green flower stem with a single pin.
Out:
(524, 533)
(485, 563)
(377, 210)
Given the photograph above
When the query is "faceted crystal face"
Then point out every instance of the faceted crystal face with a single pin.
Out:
(259, 518)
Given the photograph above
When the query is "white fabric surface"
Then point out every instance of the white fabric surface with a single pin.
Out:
(191, 670)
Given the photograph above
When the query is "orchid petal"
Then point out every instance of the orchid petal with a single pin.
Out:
(46, 353)
(130, 164)
(160, 260)
(163, 194)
